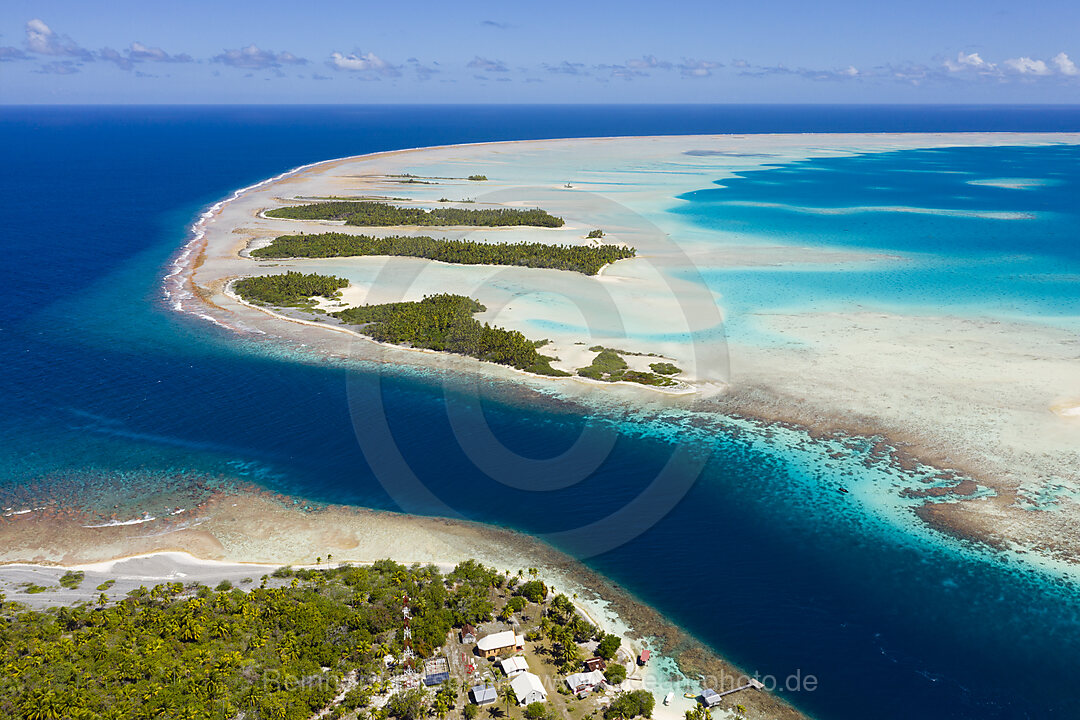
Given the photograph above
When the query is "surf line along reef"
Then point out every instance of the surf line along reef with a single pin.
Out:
(996, 416)
(442, 322)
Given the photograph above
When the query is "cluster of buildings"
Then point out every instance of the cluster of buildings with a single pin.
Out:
(527, 686)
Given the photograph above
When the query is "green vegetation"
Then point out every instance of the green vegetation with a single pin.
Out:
(631, 704)
(34, 588)
(644, 378)
(533, 591)
(72, 579)
(445, 322)
(292, 289)
(598, 348)
(595, 234)
(698, 712)
(192, 652)
(608, 646)
(609, 366)
(665, 368)
(566, 628)
(615, 673)
(539, 711)
(583, 259)
(408, 704)
(513, 605)
(368, 214)
(478, 178)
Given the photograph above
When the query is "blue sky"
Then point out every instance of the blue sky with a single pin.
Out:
(328, 51)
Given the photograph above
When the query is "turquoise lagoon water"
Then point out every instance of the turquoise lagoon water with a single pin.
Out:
(108, 397)
(989, 231)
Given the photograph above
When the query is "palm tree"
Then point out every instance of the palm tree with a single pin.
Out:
(509, 696)
(698, 712)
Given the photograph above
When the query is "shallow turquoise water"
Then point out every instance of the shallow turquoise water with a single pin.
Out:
(107, 397)
(1006, 249)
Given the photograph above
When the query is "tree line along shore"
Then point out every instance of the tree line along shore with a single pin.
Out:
(378, 214)
(301, 642)
(586, 259)
(442, 322)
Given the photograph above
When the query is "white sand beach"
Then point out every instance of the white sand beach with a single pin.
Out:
(241, 536)
(990, 398)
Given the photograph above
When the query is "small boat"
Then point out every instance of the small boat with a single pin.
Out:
(668, 698)
(691, 696)
(843, 490)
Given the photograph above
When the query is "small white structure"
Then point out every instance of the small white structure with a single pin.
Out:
(710, 698)
(483, 694)
(514, 665)
(491, 645)
(584, 682)
(528, 688)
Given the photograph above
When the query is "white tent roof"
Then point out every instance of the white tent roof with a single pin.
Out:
(497, 640)
(586, 678)
(484, 693)
(514, 664)
(526, 683)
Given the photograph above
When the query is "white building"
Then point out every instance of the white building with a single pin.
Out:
(514, 665)
(507, 640)
(528, 688)
(483, 694)
(584, 682)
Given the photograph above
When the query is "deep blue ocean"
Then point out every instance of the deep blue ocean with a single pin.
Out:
(108, 396)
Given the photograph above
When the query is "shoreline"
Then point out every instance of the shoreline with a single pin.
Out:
(767, 394)
(243, 531)
(682, 389)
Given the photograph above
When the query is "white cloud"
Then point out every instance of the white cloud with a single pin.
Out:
(142, 53)
(41, 39)
(138, 53)
(1065, 65)
(122, 62)
(12, 53)
(1027, 66)
(485, 65)
(698, 68)
(970, 61)
(566, 68)
(62, 67)
(253, 58)
(368, 63)
(648, 62)
(848, 73)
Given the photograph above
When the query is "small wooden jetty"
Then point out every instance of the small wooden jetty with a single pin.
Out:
(710, 698)
(752, 683)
